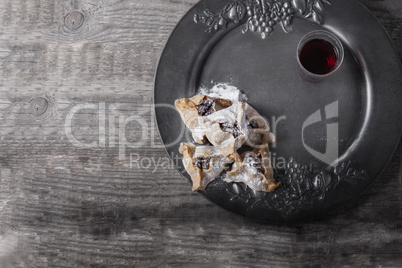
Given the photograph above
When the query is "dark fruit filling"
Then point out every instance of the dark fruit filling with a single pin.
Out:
(231, 128)
(255, 162)
(229, 166)
(253, 124)
(202, 163)
(206, 107)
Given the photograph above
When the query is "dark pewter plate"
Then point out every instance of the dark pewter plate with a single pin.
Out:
(355, 113)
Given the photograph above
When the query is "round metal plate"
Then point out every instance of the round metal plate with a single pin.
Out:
(355, 113)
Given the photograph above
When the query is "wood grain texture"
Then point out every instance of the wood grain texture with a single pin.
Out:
(65, 206)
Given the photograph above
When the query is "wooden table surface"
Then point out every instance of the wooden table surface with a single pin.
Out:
(62, 205)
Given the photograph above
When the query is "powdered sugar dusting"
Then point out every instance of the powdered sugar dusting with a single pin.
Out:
(224, 91)
(254, 164)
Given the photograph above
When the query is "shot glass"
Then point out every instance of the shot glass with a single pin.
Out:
(319, 54)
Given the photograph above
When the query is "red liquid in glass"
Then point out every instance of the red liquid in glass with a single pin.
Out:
(318, 56)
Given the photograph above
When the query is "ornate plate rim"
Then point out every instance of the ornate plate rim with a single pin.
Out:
(372, 99)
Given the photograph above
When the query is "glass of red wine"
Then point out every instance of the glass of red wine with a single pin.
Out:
(319, 54)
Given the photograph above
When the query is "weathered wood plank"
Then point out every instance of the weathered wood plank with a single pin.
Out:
(65, 206)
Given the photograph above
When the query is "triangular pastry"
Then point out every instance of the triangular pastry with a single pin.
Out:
(254, 169)
(204, 163)
(225, 124)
